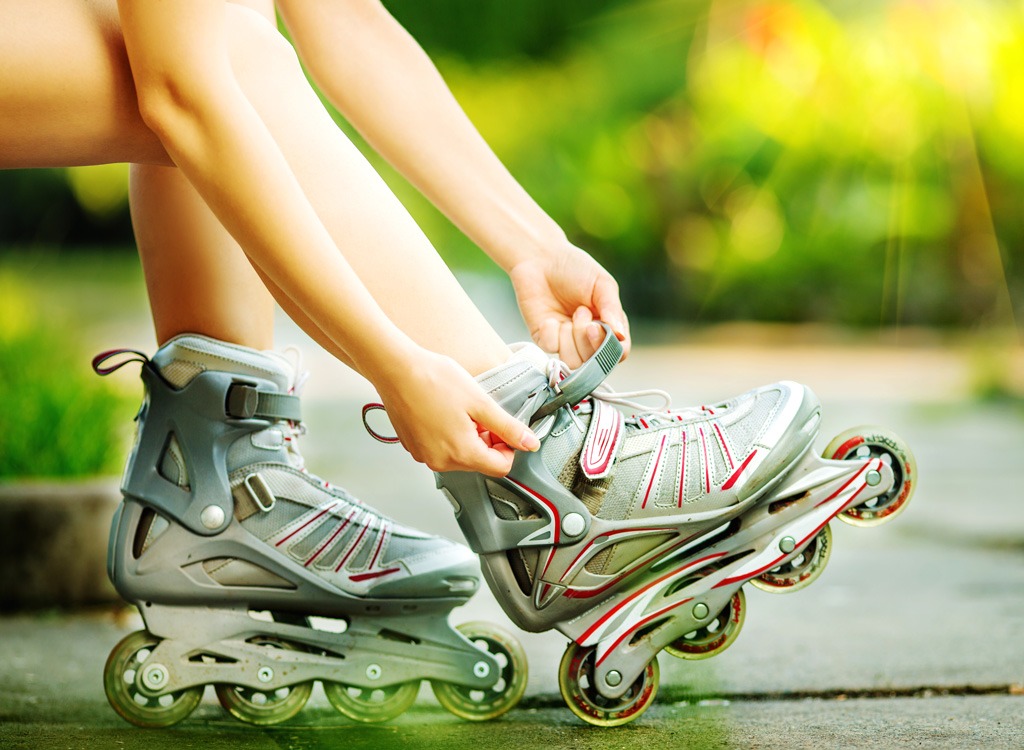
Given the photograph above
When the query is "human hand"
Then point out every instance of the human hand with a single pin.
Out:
(560, 295)
(445, 419)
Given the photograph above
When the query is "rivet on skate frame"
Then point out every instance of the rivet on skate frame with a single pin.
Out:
(573, 524)
(613, 678)
(373, 672)
(700, 610)
(155, 676)
(212, 516)
(788, 544)
(265, 674)
(873, 478)
(481, 669)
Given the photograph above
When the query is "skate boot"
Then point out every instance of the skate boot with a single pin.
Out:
(633, 534)
(257, 577)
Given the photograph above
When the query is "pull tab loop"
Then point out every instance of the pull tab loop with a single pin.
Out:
(373, 433)
(99, 360)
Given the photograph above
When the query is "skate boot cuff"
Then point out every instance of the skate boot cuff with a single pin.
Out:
(184, 357)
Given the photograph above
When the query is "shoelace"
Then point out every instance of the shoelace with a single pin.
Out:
(643, 414)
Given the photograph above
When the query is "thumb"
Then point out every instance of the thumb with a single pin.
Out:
(503, 426)
(609, 308)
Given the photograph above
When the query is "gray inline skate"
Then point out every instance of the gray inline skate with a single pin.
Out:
(257, 577)
(635, 534)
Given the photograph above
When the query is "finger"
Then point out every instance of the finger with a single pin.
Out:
(494, 462)
(582, 320)
(546, 336)
(609, 307)
(567, 346)
(502, 426)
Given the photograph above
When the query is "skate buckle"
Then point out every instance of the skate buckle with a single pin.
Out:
(243, 400)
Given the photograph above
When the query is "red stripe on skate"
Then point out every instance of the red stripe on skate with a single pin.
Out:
(380, 543)
(551, 506)
(354, 547)
(610, 613)
(847, 484)
(736, 474)
(334, 536)
(655, 470)
(846, 447)
(307, 523)
(682, 465)
(600, 451)
(806, 539)
(639, 625)
(725, 447)
(375, 574)
(706, 459)
(609, 534)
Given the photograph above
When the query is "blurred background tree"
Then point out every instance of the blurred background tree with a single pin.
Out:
(848, 161)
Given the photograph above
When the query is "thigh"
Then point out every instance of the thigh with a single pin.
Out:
(66, 91)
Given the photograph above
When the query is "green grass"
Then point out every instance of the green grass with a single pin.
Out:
(59, 420)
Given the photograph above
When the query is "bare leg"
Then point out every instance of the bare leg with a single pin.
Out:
(391, 255)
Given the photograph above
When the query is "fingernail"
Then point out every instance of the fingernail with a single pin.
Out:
(594, 333)
(529, 441)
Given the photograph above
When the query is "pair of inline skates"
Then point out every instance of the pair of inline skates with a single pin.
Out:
(629, 534)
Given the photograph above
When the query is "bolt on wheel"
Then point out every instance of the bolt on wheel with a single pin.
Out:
(802, 570)
(576, 681)
(481, 704)
(119, 682)
(862, 444)
(716, 635)
(265, 707)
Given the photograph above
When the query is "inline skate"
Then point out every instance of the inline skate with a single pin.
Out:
(635, 534)
(257, 577)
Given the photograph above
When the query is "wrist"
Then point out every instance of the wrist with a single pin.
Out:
(524, 242)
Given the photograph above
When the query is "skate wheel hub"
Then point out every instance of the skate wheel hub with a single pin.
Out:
(613, 678)
(155, 677)
(212, 517)
(373, 672)
(787, 545)
(265, 674)
(481, 669)
(873, 478)
(573, 524)
(700, 610)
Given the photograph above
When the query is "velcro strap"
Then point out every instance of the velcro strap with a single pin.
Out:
(587, 376)
(604, 438)
(246, 401)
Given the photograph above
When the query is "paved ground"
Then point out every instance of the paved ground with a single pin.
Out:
(912, 637)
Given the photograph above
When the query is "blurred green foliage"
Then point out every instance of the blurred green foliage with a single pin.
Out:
(59, 419)
(789, 160)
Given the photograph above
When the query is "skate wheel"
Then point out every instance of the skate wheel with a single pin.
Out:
(716, 636)
(372, 705)
(475, 704)
(265, 707)
(862, 443)
(119, 677)
(576, 683)
(802, 570)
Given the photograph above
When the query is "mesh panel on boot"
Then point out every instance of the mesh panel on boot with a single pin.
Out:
(617, 557)
(265, 525)
(619, 499)
(745, 432)
(400, 547)
(233, 572)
